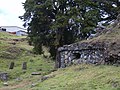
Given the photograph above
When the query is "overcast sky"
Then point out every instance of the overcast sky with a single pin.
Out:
(10, 10)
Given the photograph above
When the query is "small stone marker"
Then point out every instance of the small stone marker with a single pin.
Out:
(4, 76)
(24, 65)
(11, 65)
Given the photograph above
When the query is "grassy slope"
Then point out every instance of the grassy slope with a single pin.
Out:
(19, 53)
(87, 77)
(83, 77)
(79, 77)
(112, 36)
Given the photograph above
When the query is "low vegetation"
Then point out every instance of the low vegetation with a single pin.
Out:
(83, 77)
(16, 49)
(75, 77)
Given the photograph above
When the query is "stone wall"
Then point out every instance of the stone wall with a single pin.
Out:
(78, 53)
(106, 50)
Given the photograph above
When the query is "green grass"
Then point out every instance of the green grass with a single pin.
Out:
(19, 53)
(35, 63)
(6, 39)
(112, 35)
(83, 77)
(6, 35)
(79, 77)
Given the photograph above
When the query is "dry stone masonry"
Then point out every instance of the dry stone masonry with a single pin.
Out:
(80, 53)
(106, 51)
(89, 53)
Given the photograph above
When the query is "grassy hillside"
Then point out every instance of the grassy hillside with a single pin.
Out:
(79, 77)
(112, 35)
(16, 49)
(83, 77)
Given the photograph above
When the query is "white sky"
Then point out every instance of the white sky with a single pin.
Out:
(10, 10)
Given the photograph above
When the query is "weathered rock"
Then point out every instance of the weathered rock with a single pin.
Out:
(33, 85)
(36, 73)
(11, 65)
(90, 53)
(4, 76)
(18, 79)
(43, 78)
(5, 84)
(80, 53)
(24, 65)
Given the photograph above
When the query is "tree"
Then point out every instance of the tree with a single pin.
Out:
(54, 23)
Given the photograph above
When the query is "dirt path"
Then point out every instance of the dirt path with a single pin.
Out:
(18, 86)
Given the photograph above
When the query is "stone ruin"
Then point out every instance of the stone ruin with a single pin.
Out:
(90, 52)
(84, 52)
(78, 53)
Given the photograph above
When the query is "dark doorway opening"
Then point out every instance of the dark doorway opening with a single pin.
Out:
(77, 55)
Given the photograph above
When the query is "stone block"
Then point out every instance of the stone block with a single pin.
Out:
(4, 76)
(24, 65)
(11, 66)
(35, 73)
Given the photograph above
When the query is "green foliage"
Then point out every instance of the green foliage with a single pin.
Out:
(54, 23)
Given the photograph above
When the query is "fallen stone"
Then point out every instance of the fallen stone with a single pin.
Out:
(33, 85)
(4, 76)
(36, 73)
(43, 78)
(5, 84)
(18, 79)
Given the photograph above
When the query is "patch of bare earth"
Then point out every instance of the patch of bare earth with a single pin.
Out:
(17, 86)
